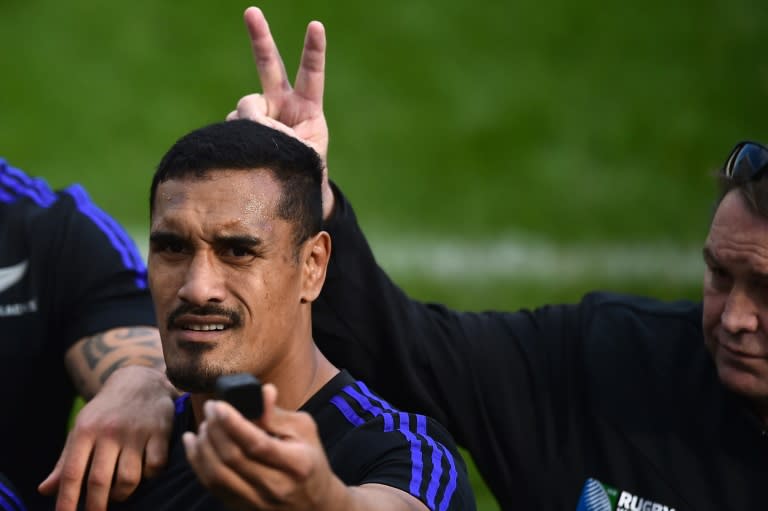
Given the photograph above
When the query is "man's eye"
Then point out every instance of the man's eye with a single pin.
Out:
(720, 277)
(173, 247)
(238, 252)
(167, 247)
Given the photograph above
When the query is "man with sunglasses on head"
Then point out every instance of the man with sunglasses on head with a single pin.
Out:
(613, 403)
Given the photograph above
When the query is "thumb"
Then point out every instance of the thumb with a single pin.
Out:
(274, 420)
(270, 410)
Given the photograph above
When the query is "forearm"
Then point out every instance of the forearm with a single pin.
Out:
(92, 360)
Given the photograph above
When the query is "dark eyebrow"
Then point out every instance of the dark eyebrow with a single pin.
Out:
(239, 240)
(712, 262)
(164, 237)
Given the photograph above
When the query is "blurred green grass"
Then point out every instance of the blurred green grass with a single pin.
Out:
(576, 122)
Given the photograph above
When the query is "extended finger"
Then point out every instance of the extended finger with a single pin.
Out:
(269, 64)
(310, 78)
(128, 473)
(51, 483)
(100, 475)
(71, 469)
(155, 455)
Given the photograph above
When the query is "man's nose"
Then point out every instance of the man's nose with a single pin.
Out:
(740, 312)
(204, 281)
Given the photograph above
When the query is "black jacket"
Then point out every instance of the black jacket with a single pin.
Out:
(617, 389)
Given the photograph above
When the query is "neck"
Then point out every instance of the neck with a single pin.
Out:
(297, 379)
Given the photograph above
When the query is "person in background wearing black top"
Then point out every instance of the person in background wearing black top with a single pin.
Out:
(236, 259)
(76, 318)
(615, 402)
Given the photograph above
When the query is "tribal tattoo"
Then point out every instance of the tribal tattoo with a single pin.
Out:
(102, 354)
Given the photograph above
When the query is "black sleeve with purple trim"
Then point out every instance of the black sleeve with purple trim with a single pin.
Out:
(67, 270)
(102, 270)
(376, 443)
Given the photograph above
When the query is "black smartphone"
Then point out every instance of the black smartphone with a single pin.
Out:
(243, 391)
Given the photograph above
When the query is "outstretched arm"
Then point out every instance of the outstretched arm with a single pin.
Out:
(122, 432)
(277, 463)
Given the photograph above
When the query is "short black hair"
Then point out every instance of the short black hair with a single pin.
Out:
(247, 145)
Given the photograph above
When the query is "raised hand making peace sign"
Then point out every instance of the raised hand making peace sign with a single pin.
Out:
(296, 110)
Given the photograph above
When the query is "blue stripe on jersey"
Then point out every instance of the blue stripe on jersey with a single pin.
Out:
(416, 463)
(5, 196)
(436, 473)
(18, 184)
(6, 492)
(373, 404)
(180, 404)
(5, 505)
(117, 236)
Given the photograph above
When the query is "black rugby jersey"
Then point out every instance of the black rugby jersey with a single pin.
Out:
(366, 441)
(67, 270)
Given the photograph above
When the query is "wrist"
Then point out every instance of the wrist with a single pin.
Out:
(145, 377)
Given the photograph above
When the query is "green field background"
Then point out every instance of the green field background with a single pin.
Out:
(572, 124)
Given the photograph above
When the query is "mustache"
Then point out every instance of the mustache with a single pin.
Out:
(206, 310)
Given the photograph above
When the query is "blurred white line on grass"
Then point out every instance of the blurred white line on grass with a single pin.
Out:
(518, 257)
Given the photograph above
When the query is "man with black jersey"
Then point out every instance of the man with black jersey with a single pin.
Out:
(76, 318)
(236, 259)
(615, 402)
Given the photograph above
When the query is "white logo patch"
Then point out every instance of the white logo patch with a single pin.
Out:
(10, 275)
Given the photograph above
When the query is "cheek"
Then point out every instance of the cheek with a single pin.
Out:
(161, 284)
(713, 305)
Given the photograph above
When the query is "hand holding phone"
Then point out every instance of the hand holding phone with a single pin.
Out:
(242, 391)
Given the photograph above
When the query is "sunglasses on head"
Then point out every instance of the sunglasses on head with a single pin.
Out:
(747, 162)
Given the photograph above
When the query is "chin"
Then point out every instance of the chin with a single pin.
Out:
(744, 383)
(196, 380)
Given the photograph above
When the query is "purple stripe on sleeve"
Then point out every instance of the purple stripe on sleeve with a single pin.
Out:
(438, 451)
(5, 196)
(364, 388)
(35, 188)
(4, 490)
(347, 411)
(417, 463)
(451, 488)
(437, 456)
(116, 235)
(20, 189)
(5, 505)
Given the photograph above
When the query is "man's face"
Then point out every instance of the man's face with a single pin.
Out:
(224, 277)
(736, 297)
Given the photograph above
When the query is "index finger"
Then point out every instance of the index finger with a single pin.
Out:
(73, 463)
(269, 64)
(310, 78)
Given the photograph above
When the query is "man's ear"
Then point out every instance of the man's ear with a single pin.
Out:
(314, 261)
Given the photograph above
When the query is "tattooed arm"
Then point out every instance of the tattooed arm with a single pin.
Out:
(93, 359)
(122, 433)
